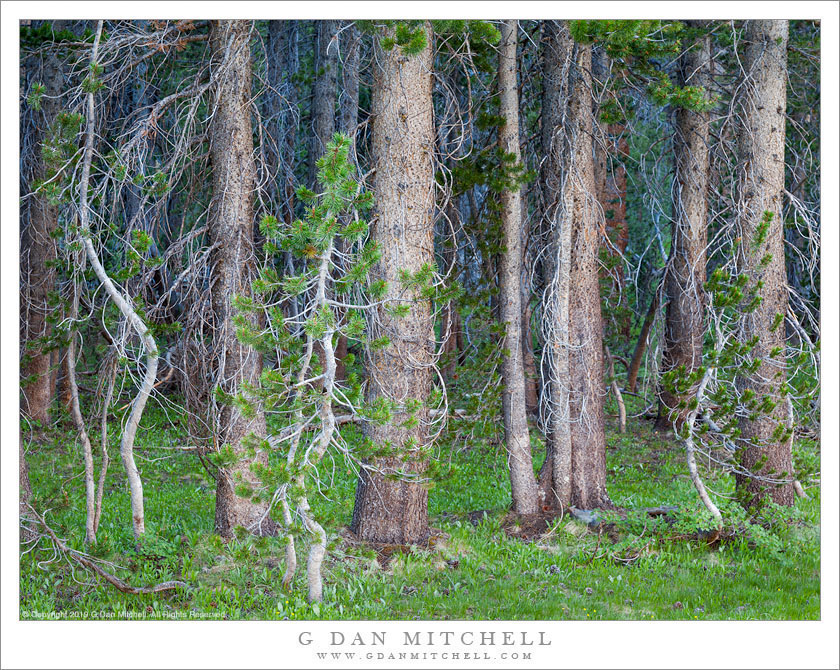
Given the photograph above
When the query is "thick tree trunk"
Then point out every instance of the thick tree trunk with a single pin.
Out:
(577, 392)
(586, 363)
(761, 182)
(231, 229)
(38, 254)
(556, 474)
(389, 510)
(517, 436)
(686, 272)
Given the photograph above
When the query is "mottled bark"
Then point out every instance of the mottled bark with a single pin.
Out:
(555, 478)
(517, 436)
(575, 307)
(686, 271)
(761, 181)
(231, 229)
(388, 510)
(586, 365)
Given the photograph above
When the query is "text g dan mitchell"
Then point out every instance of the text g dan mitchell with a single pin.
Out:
(428, 639)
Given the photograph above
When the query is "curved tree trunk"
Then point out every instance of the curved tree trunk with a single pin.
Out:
(388, 510)
(231, 230)
(761, 182)
(686, 271)
(517, 436)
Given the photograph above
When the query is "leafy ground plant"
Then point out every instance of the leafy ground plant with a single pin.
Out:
(645, 569)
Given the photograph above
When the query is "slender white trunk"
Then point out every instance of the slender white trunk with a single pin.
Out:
(690, 449)
(127, 309)
(87, 449)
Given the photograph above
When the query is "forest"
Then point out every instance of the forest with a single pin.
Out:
(420, 319)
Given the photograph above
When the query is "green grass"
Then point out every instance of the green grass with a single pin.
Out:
(472, 572)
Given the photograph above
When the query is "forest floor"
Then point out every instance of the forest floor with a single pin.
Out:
(642, 569)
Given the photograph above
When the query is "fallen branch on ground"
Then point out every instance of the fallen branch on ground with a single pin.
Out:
(87, 562)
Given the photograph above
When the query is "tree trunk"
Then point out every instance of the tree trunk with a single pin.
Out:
(686, 271)
(403, 142)
(38, 253)
(761, 182)
(450, 325)
(556, 474)
(642, 343)
(517, 436)
(348, 105)
(323, 95)
(532, 377)
(282, 111)
(24, 493)
(611, 187)
(231, 228)
(576, 330)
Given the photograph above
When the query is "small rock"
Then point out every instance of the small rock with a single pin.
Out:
(588, 591)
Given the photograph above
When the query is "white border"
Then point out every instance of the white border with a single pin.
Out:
(273, 644)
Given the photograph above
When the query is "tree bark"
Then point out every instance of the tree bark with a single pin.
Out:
(556, 473)
(126, 307)
(642, 342)
(324, 92)
(39, 220)
(231, 230)
(348, 105)
(281, 108)
(388, 510)
(686, 271)
(517, 436)
(761, 181)
(577, 443)
(24, 493)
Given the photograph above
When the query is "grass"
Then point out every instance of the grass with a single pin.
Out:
(473, 570)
